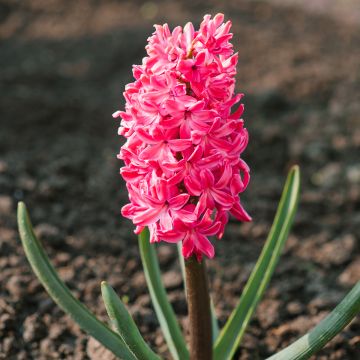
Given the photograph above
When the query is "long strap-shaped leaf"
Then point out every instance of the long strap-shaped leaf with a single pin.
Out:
(313, 341)
(163, 309)
(234, 329)
(125, 325)
(61, 294)
(214, 321)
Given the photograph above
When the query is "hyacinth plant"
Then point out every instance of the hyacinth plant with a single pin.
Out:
(184, 174)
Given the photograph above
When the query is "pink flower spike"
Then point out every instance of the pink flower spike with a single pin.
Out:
(182, 164)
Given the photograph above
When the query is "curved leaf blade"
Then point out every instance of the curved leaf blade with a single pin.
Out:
(125, 325)
(214, 322)
(61, 294)
(163, 309)
(234, 329)
(321, 334)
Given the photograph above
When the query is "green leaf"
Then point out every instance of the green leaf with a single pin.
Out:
(214, 321)
(234, 329)
(125, 325)
(321, 334)
(61, 294)
(163, 309)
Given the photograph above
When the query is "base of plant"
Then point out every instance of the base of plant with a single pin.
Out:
(126, 342)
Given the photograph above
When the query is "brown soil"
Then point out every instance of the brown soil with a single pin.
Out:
(63, 66)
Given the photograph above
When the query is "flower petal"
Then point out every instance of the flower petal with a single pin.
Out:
(147, 217)
(178, 201)
(239, 212)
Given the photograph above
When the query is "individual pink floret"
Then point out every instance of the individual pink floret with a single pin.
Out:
(183, 169)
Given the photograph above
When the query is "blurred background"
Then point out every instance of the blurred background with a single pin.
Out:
(63, 68)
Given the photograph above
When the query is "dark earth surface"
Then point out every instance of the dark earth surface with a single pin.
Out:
(63, 67)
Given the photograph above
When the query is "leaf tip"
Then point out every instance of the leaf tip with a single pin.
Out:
(294, 174)
(104, 288)
(295, 169)
(21, 206)
(22, 215)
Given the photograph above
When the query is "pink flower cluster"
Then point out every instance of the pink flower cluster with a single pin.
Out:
(182, 155)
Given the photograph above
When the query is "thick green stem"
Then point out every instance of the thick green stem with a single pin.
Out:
(199, 310)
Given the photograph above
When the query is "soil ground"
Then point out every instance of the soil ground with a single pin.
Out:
(63, 67)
